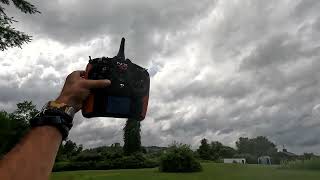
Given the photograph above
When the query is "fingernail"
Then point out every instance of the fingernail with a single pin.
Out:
(108, 81)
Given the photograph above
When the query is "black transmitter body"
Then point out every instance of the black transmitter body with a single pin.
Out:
(128, 94)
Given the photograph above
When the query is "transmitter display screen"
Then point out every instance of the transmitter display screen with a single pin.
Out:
(118, 105)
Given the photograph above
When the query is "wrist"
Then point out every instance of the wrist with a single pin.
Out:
(62, 106)
(65, 100)
(57, 114)
(54, 119)
(69, 101)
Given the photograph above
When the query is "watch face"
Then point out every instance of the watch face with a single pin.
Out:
(69, 110)
(57, 105)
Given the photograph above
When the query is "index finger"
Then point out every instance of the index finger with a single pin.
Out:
(89, 84)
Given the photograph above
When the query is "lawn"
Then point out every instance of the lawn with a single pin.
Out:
(210, 171)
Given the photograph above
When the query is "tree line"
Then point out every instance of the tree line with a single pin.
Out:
(248, 148)
(14, 125)
(71, 156)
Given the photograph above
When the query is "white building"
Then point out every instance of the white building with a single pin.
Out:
(235, 160)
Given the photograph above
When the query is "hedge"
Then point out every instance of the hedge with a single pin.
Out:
(179, 158)
(126, 162)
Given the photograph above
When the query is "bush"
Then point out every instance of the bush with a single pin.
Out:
(179, 158)
(88, 156)
(125, 162)
(72, 166)
(312, 164)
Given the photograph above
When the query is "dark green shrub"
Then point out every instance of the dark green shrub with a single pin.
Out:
(126, 162)
(134, 162)
(88, 156)
(72, 166)
(60, 166)
(179, 158)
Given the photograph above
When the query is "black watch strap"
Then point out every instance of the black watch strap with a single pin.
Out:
(52, 120)
(55, 114)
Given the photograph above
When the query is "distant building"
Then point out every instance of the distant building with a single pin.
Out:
(285, 155)
(153, 149)
(115, 145)
(235, 160)
(265, 160)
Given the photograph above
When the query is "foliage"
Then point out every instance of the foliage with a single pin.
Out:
(126, 162)
(68, 150)
(9, 37)
(179, 158)
(13, 126)
(72, 157)
(204, 150)
(132, 137)
(308, 156)
(115, 151)
(311, 164)
(6, 125)
(214, 151)
(88, 156)
(72, 166)
(227, 152)
(258, 146)
(25, 111)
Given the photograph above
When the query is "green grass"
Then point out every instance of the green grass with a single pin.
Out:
(210, 171)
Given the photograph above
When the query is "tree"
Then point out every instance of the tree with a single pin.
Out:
(256, 146)
(308, 156)
(21, 116)
(204, 149)
(5, 132)
(9, 37)
(25, 111)
(68, 150)
(132, 138)
(215, 150)
(179, 158)
(227, 152)
(264, 147)
(244, 145)
(15, 125)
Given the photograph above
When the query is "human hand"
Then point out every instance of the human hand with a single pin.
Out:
(76, 89)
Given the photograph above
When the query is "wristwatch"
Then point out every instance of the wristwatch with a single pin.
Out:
(59, 115)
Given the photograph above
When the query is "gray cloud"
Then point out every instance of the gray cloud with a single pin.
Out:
(219, 69)
(148, 26)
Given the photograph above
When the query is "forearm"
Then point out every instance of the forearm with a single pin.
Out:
(34, 156)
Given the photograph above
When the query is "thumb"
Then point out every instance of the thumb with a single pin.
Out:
(96, 83)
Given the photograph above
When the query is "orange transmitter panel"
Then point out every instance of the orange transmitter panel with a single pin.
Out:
(128, 94)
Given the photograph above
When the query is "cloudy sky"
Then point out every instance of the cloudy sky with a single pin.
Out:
(220, 69)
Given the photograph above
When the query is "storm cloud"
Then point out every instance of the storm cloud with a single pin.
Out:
(219, 69)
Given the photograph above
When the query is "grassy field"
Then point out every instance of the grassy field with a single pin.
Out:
(210, 171)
